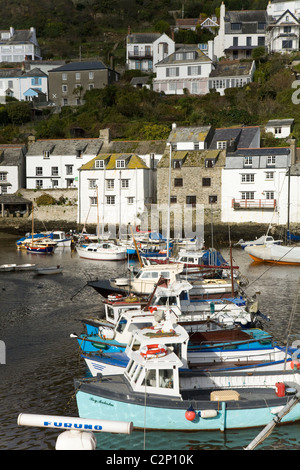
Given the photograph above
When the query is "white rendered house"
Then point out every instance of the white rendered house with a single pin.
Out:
(113, 189)
(255, 185)
(283, 28)
(144, 50)
(21, 85)
(12, 168)
(240, 32)
(55, 163)
(188, 68)
(280, 128)
(19, 45)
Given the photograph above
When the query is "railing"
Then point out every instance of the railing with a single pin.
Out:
(266, 204)
(140, 54)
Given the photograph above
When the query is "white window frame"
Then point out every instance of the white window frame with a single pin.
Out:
(110, 200)
(92, 184)
(99, 163)
(247, 177)
(110, 184)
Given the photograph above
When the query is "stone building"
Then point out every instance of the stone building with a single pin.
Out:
(196, 177)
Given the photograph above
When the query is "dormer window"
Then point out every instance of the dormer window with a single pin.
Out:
(46, 154)
(222, 144)
(209, 163)
(78, 153)
(120, 163)
(177, 163)
(99, 163)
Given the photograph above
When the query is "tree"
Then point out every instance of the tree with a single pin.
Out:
(19, 112)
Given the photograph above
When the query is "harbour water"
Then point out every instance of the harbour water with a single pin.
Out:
(37, 316)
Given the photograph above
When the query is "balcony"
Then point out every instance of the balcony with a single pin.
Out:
(254, 204)
(140, 55)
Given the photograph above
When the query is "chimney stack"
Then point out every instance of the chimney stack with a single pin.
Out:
(293, 150)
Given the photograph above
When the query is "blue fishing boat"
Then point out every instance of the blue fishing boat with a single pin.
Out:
(207, 349)
(156, 392)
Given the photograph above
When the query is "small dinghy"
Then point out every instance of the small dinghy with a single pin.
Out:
(7, 267)
(49, 270)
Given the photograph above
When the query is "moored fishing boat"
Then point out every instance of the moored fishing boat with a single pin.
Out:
(157, 394)
(208, 347)
(43, 246)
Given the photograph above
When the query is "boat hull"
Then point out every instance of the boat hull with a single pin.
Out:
(276, 254)
(111, 398)
(101, 255)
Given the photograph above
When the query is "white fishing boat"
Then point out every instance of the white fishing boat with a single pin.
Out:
(210, 348)
(61, 238)
(105, 251)
(158, 393)
(263, 240)
(277, 254)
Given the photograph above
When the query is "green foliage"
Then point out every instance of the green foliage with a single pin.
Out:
(45, 200)
(18, 112)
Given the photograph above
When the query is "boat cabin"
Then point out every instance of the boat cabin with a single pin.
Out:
(128, 321)
(144, 281)
(156, 376)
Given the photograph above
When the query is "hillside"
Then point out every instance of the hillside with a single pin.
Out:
(97, 28)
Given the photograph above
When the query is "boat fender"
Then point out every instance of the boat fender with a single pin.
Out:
(190, 414)
(208, 413)
(106, 333)
(295, 365)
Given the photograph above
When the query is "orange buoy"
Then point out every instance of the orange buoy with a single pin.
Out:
(190, 414)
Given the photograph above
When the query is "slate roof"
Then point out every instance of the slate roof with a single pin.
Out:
(10, 155)
(189, 134)
(64, 147)
(20, 36)
(200, 57)
(249, 20)
(18, 72)
(243, 136)
(261, 151)
(142, 38)
(280, 122)
(232, 69)
(80, 66)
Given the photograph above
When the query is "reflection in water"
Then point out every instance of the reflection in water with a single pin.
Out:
(37, 315)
